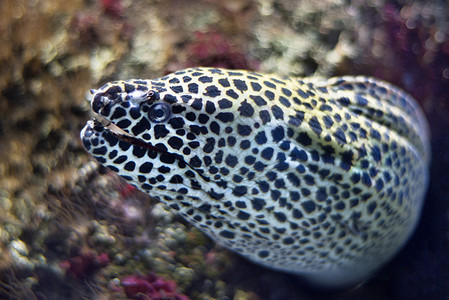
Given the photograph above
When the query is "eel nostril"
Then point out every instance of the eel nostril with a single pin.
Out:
(98, 102)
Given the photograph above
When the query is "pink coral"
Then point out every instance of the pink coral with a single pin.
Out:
(151, 287)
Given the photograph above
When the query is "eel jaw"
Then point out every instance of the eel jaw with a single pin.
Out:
(99, 125)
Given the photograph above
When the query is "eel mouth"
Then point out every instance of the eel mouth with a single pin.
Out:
(103, 124)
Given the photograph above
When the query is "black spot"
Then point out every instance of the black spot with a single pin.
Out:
(209, 146)
(325, 107)
(102, 150)
(124, 123)
(197, 104)
(245, 144)
(280, 217)
(175, 142)
(267, 153)
(366, 180)
(258, 100)
(120, 159)
(130, 166)
(286, 92)
(279, 184)
(375, 152)
(191, 116)
(315, 125)
(160, 131)
(277, 112)
(328, 121)
(309, 206)
(124, 146)
(210, 107)
(346, 160)
(269, 95)
(139, 152)
(129, 88)
(269, 84)
(212, 91)
(321, 194)
(242, 215)
(227, 234)
(265, 116)
(246, 109)
(244, 130)
(205, 79)
(288, 241)
(193, 88)
(239, 190)
(240, 85)
(256, 87)
(141, 126)
(240, 204)
(371, 207)
(163, 170)
(113, 154)
(203, 118)
(258, 203)
(224, 103)
(263, 253)
(195, 162)
(167, 158)
(344, 101)
(186, 98)
(278, 134)
(261, 138)
(293, 179)
(302, 94)
(224, 82)
(259, 166)
(284, 101)
(379, 184)
(135, 113)
(231, 141)
(214, 127)
(231, 93)
(375, 134)
(297, 154)
(304, 139)
(340, 136)
(231, 160)
(355, 178)
(225, 117)
(249, 160)
(177, 89)
(176, 123)
(215, 195)
(309, 179)
(361, 100)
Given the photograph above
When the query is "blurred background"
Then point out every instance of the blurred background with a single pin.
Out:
(70, 229)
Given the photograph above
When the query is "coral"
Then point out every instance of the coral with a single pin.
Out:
(84, 265)
(151, 287)
(113, 8)
(213, 49)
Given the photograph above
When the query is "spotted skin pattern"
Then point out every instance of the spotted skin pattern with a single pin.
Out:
(319, 177)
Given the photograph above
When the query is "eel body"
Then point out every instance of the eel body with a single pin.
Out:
(319, 177)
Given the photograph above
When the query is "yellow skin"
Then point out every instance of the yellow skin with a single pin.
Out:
(319, 177)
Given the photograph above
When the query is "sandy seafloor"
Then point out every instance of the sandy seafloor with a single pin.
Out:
(70, 229)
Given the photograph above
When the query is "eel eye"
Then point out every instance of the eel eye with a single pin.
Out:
(159, 112)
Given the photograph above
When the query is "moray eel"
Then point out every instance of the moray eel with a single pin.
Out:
(323, 178)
